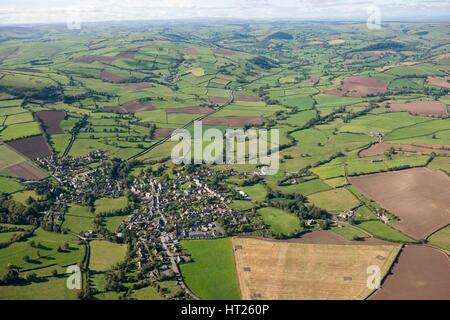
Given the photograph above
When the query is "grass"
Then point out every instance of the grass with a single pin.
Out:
(256, 193)
(108, 205)
(241, 205)
(441, 238)
(53, 288)
(105, 254)
(20, 130)
(382, 231)
(334, 201)
(22, 196)
(349, 232)
(112, 223)
(147, 293)
(78, 219)
(8, 185)
(281, 223)
(440, 163)
(212, 274)
(47, 245)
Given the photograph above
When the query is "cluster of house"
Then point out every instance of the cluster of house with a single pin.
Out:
(185, 206)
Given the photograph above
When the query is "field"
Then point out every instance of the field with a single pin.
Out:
(212, 274)
(108, 205)
(441, 238)
(8, 185)
(78, 219)
(363, 123)
(51, 288)
(48, 253)
(381, 148)
(32, 147)
(281, 223)
(335, 201)
(426, 108)
(421, 273)
(105, 254)
(418, 196)
(286, 270)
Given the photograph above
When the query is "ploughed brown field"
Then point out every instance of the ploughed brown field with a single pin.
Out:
(275, 270)
(358, 86)
(439, 81)
(126, 55)
(50, 120)
(223, 52)
(425, 108)
(190, 51)
(133, 107)
(32, 147)
(247, 98)
(90, 59)
(163, 132)
(380, 148)
(312, 80)
(218, 100)
(419, 197)
(191, 110)
(112, 77)
(233, 121)
(27, 171)
(138, 85)
(421, 273)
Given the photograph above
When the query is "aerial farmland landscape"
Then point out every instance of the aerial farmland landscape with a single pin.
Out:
(351, 201)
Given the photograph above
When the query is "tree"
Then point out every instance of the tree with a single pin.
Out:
(31, 277)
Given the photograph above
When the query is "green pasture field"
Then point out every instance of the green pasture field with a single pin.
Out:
(78, 218)
(51, 288)
(20, 130)
(256, 193)
(212, 274)
(382, 231)
(60, 142)
(241, 205)
(46, 244)
(281, 223)
(334, 201)
(349, 232)
(441, 238)
(384, 123)
(112, 223)
(8, 185)
(300, 119)
(23, 196)
(105, 254)
(440, 163)
(108, 205)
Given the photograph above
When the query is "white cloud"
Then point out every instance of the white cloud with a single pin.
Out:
(28, 11)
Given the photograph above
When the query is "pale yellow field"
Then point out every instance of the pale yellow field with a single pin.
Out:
(198, 72)
(275, 270)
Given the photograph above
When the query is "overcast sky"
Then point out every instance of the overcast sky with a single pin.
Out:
(49, 11)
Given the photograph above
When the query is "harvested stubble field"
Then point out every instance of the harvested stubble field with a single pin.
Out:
(273, 270)
(419, 197)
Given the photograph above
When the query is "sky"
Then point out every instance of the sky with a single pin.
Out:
(52, 11)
